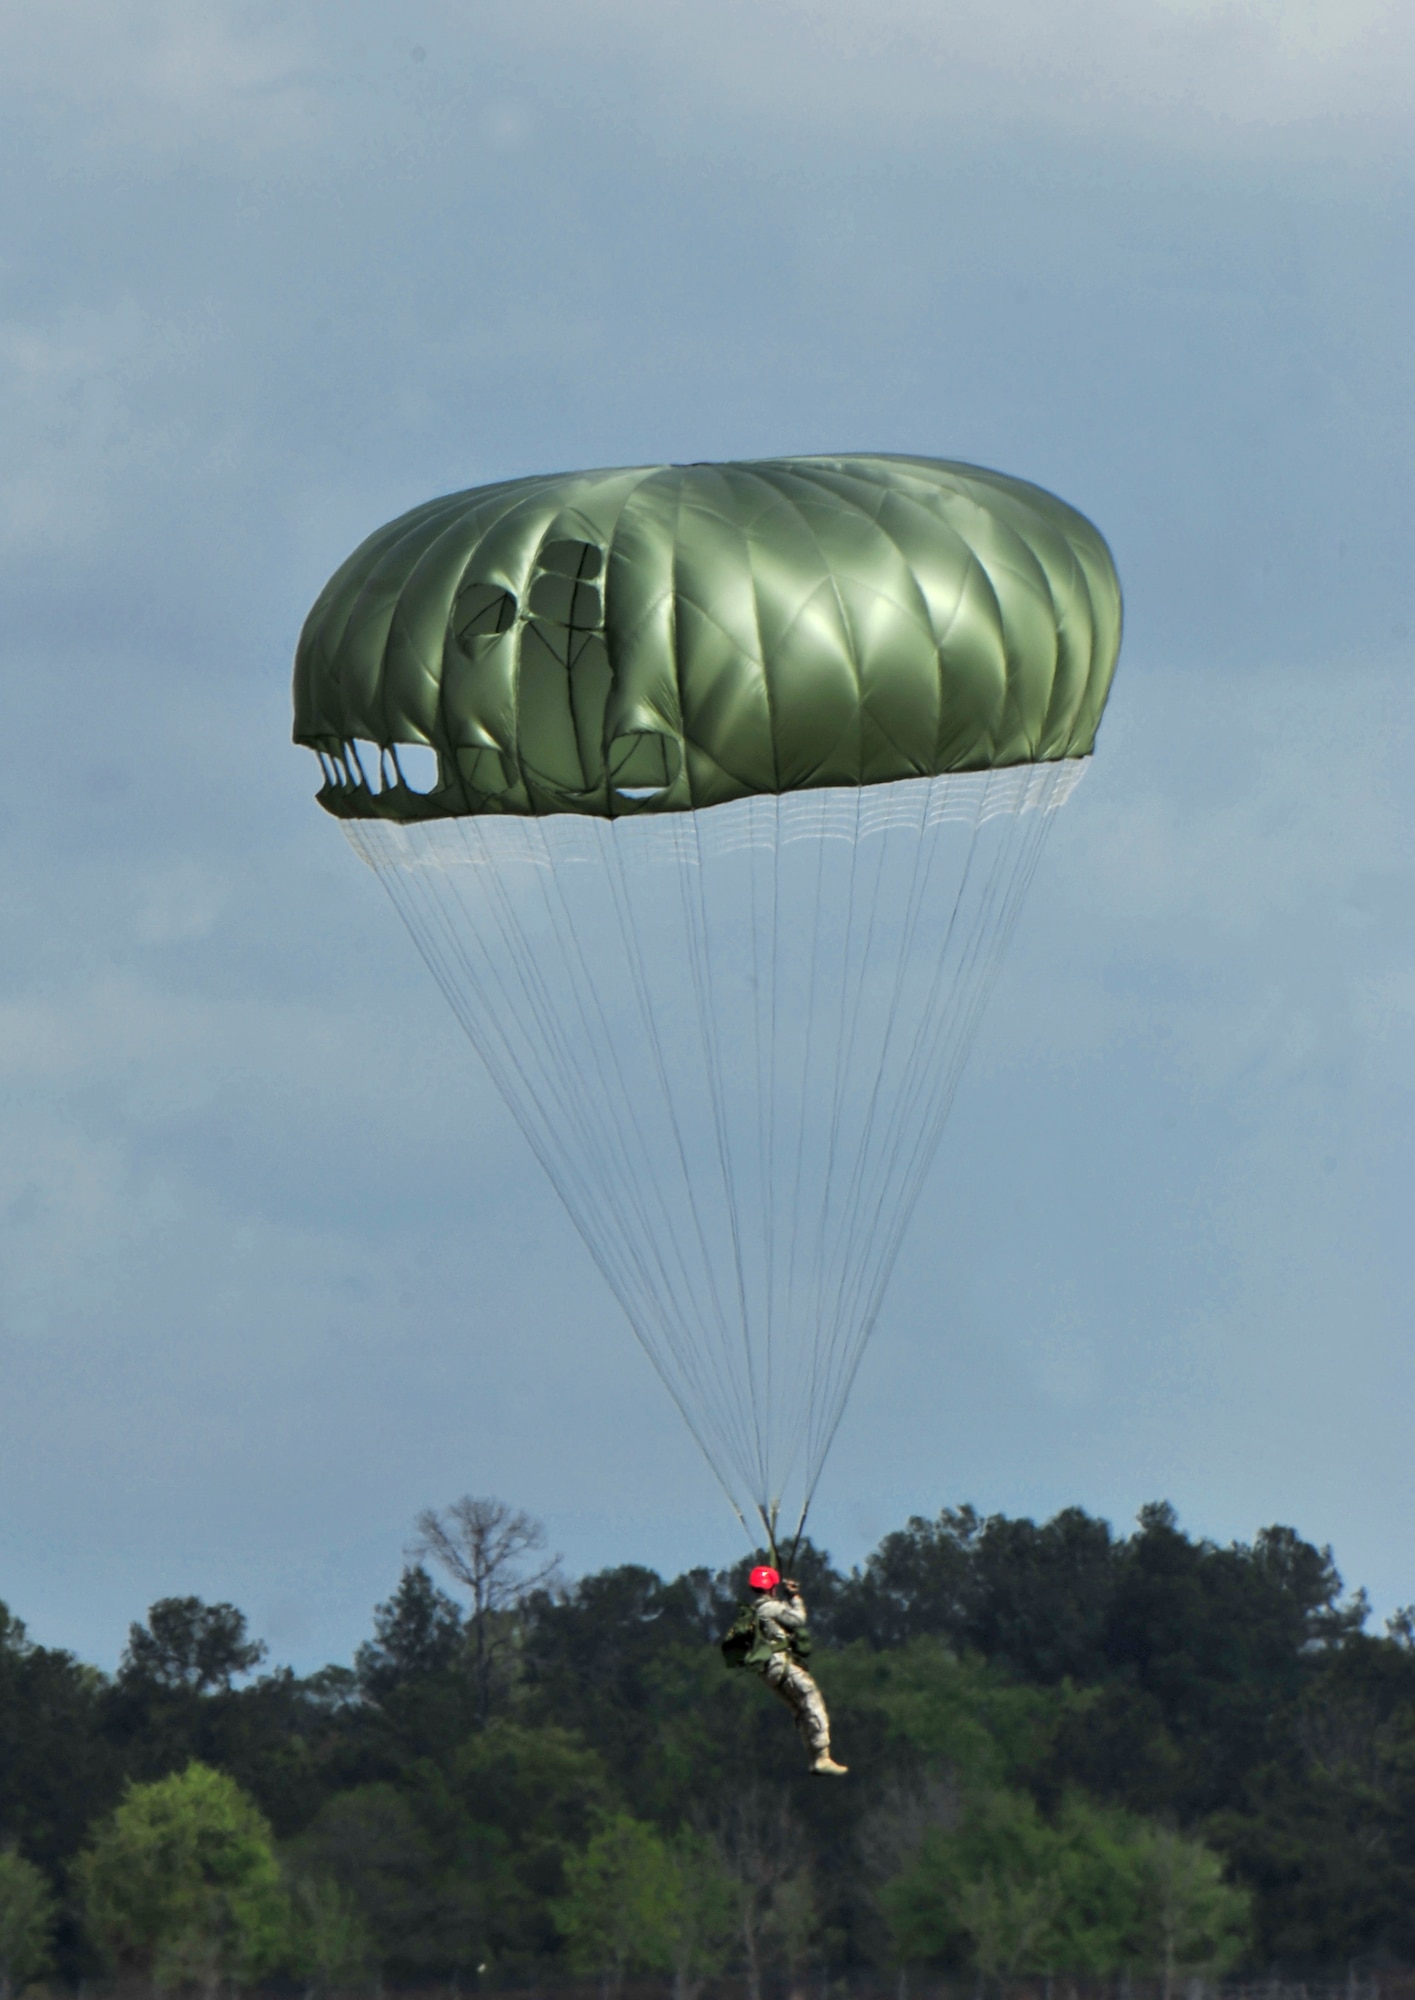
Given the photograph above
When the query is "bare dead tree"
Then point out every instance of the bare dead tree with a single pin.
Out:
(486, 1546)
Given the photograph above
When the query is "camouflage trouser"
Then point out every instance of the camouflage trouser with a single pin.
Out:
(801, 1695)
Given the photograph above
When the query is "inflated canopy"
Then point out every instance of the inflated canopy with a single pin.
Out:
(665, 638)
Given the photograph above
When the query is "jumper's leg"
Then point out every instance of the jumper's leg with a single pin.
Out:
(798, 1690)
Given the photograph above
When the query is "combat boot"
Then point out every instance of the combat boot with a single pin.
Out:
(826, 1767)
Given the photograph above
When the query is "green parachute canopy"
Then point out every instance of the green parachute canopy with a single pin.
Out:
(710, 794)
(668, 638)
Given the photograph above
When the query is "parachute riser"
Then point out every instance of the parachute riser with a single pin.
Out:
(796, 1540)
(770, 1519)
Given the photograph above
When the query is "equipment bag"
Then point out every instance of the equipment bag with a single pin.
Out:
(740, 1637)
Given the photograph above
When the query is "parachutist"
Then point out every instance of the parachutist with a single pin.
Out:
(770, 1636)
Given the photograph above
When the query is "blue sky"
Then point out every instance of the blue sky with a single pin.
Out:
(275, 1268)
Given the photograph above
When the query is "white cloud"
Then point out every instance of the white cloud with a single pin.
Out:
(232, 81)
(91, 403)
(153, 74)
(178, 904)
(1238, 865)
(1166, 70)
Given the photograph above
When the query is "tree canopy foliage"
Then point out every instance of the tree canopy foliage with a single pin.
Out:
(1072, 1752)
(181, 1882)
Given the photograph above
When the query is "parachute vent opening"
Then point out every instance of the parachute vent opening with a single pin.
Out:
(565, 590)
(642, 765)
(360, 765)
(576, 559)
(733, 1038)
(417, 766)
(365, 764)
(564, 601)
(482, 611)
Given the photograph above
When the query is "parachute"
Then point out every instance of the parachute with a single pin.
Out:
(710, 795)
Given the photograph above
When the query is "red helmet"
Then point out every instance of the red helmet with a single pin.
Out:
(764, 1578)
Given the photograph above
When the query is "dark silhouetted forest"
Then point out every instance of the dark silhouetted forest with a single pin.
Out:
(1072, 1753)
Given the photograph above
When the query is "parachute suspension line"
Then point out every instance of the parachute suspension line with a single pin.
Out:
(796, 1302)
(1033, 839)
(701, 961)
(945, 1059)
(761, 1371)
(828, 1398)
(764, 1023)
(916, 1061)
(955, 1027)
(836, 1100)
(691, 1346)
(444, 947)
(734, 1414)
(733, 1044)
(800, 1531)
(712, 1422)
(807, 1042)
(644, 1310)
(769, 1514)
(768, 1210)
(632, 1195)
(1009, 881)
(1014, 881)
(837, 1368)
(600, 1037)
(727, 1389)
(852, 1060)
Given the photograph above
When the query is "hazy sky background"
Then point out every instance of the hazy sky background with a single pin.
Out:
(271, 274)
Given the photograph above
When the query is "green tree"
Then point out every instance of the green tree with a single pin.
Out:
(622, 1900)
(417, 1637)
(702, 1917)
(1325, 1836)
(368, 1844)
(1100, 1872)
(990, 1889)
(1191, 1919)
(187, 1647)
(27, 1914)
(951, 1712)
(1090, 1893)
(795, 1922)
(415, 1675)
(761, 1847)
(432, 1898)
(182, 1882)
(330, 1944)
(526, 1801)
(56, 1771)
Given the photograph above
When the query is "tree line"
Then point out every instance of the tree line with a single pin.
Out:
(1073, 1753)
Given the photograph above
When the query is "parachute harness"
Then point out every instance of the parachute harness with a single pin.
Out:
(732, 1038)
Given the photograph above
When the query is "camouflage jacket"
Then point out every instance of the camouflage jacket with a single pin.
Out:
(762, 1630)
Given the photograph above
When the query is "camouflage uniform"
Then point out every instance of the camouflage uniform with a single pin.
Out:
(777, 1623)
